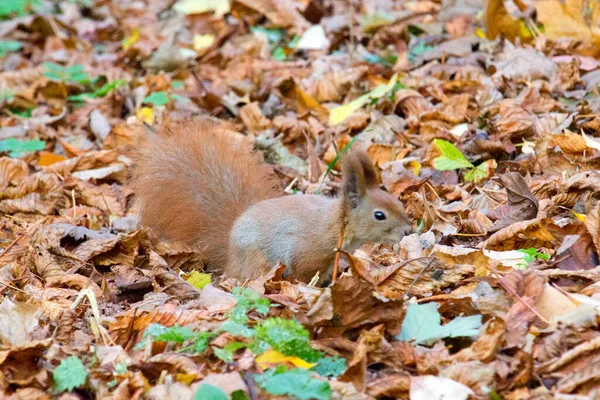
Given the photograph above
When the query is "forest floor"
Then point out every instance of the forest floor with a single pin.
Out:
(486, 124)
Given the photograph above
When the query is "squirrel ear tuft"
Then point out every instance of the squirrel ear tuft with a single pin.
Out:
(358, 174)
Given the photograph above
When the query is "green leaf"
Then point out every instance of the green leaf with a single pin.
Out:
(279, 54)
(100, 92)
(296, 382)
(422, 325)
(18, 8)
(178, 85)
(201, 342)
(198, 279)
(177, 334)
(330, 366)
(7, 95)
(225, 355)
(476, 174)
(177, 97)
(288, 337)
(248, 299)
(294, 42)
(210, 392)
(17, 148)
(273, 35)
(532, 254)
(239, 395)
(451, 157)
(237, 329)
(70, 374)
(157, 99)
(340, 113)
(419, 49)
(9, 45)
(74, 73)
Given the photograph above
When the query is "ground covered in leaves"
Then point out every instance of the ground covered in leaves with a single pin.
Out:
(484, 123)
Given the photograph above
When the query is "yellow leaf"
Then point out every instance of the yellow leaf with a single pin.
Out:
(186, 378)
(338, 114)
(219, 7)
(129, 41)
(572, 18)
(202, 42)
(580, 217)
(47, 158)
(275, 357)
(146, 115)
(414, 166)
(198, 279)
(498, 21)
(480, 33)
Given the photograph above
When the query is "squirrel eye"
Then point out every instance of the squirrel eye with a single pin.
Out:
(379, 216)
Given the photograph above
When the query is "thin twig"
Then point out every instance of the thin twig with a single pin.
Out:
(338, 250)
(509, 290)
(405, 297)
(7, 248)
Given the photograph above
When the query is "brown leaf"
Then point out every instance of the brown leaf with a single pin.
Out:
(17, 321)
(355, 304)
(12, 171)
(487, 344)
(499, 22)
(521, 202)
(394, 386)
(592, 223)
(514, 121)
(281, 13)
(529, 285)
(253, 117)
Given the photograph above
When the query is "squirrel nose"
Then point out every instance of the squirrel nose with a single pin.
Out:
(407, 230)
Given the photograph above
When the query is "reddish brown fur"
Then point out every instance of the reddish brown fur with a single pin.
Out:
(193, 179)
(197, 184)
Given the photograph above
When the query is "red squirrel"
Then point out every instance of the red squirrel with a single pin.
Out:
(197, 184)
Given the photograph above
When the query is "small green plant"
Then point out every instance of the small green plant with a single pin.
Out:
(296, 382)
(452, 158)
(72, 74)
(286, 336)
(70, 374)
(161, 98)
(196, 342)
(531, 254)
(100, 92)
(330, 366)
(419, 49)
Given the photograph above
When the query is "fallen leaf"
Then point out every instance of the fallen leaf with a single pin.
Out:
(429, 387)
(270, 357)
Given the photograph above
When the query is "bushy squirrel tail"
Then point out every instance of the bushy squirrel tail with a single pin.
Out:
(192, 179)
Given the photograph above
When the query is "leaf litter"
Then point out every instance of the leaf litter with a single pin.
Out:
(485, 125)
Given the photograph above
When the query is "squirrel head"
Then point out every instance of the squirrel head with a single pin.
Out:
(373, 215)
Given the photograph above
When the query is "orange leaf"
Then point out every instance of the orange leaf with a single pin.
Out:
(47, 158)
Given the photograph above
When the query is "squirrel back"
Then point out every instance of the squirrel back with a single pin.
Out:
(193, 179)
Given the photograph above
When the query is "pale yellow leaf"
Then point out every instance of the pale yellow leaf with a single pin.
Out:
(275, 357)
(219, 7)
(202, 42)
(340, 113)
(146, 115)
